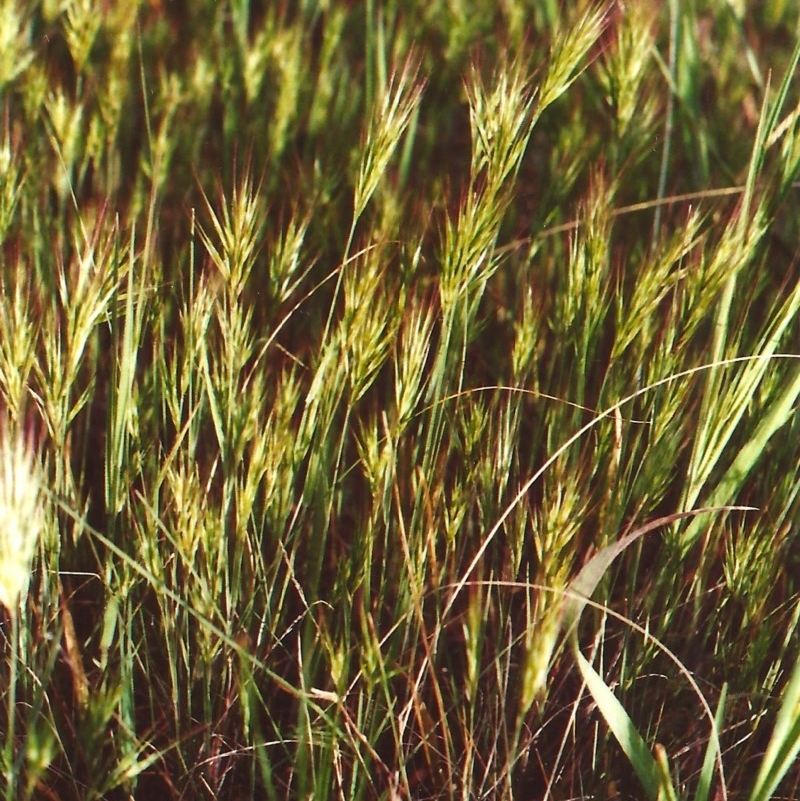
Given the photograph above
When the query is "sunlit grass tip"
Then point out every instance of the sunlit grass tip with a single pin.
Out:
(20, 515)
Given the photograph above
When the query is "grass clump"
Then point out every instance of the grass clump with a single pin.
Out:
(363, 349)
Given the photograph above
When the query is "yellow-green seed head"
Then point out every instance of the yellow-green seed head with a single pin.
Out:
(20, 516)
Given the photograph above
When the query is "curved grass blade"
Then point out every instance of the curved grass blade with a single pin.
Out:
(653, 774)
(585, 583)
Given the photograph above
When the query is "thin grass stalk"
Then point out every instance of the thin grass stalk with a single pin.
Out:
(669, 116)
(11, 758)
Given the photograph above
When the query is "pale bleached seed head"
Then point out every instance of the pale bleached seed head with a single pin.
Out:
(20, 516)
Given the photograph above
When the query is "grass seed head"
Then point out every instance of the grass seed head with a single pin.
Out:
(20, 516)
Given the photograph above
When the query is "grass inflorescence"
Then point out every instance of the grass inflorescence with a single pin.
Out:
(399, 400)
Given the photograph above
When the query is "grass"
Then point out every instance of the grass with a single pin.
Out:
(399, 400)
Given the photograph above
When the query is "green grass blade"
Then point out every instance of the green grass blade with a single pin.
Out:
(713, 750)
(622, 727)
(784, 744)
(776, 417)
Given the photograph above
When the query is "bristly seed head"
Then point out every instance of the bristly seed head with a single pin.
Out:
(20, 515)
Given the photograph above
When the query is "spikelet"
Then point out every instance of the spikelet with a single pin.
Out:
(20, 516)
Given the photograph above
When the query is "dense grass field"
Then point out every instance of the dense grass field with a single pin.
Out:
(399, 400)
